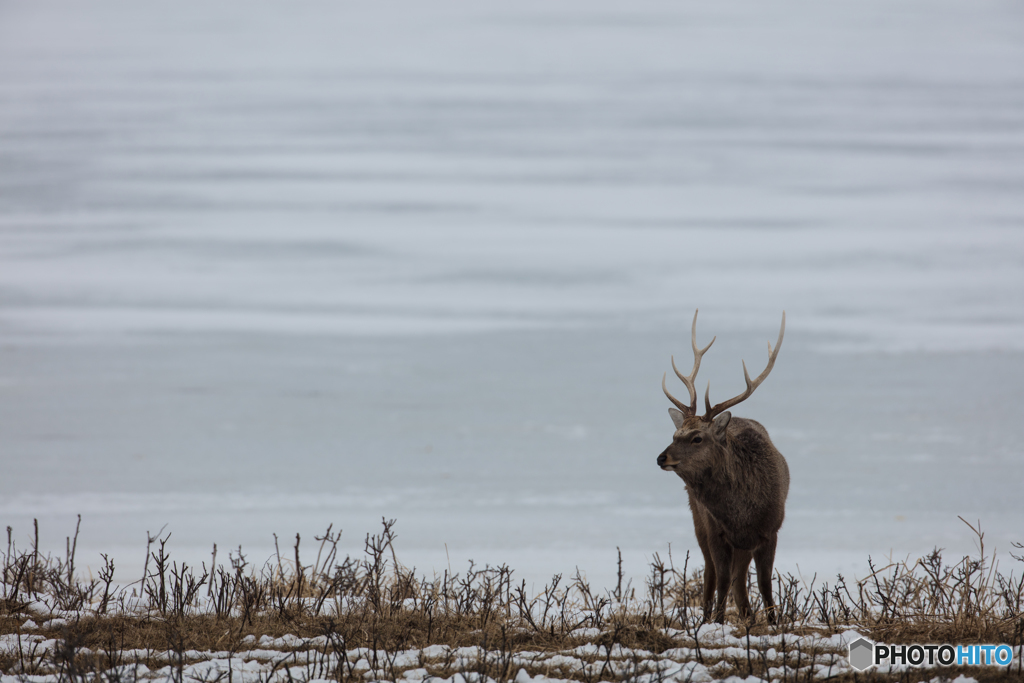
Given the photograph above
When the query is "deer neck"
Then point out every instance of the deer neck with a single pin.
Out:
(726, 500)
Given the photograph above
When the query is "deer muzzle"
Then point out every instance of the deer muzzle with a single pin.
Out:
(664, 462)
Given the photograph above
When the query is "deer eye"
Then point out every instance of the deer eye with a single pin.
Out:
(696, 439)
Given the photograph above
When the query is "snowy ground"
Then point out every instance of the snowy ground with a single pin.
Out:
(293, 659)
(262, 270)
(709, 654)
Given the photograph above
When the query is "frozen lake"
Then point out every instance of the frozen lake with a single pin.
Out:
(266, 268)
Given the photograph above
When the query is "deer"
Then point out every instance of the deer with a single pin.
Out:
(736, 482)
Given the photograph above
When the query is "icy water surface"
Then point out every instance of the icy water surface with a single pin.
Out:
(264, 269)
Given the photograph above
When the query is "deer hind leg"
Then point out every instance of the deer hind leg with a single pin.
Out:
(764, 559)
(740, 567)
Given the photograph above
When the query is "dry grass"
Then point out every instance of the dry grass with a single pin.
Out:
(335, 606)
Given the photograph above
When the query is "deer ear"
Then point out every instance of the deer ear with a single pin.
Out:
(677, 417)
(720, 424)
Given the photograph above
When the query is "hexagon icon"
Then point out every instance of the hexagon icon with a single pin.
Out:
(860, 654)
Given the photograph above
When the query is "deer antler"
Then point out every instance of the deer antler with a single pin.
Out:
(691, 409)
(710, 412)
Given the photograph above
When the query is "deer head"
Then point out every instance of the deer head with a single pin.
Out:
(697, 446)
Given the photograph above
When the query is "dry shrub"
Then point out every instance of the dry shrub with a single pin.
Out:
(373, 601)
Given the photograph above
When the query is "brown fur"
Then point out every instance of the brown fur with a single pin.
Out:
(737, 483)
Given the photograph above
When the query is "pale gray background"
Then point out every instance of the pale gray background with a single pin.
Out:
(266, 267)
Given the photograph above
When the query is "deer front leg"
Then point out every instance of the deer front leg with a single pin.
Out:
(722, 555)
(740, 567)
(709, 586)
(700, 528)
(764, 559)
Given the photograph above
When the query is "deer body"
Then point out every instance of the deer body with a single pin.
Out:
(737, 483)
